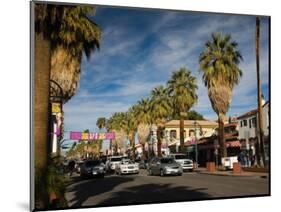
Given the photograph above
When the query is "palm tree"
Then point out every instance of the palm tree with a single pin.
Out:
(260, 143)
(182, 89)
(44, 24)
(143, 117)
(160, 111)
(130, 125)
(101, 123)
(219, 63)
(56, 27)
(77, 35)
(116, 124)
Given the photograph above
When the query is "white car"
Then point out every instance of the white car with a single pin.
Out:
(186, 164)
(113, 162)
(127, 167)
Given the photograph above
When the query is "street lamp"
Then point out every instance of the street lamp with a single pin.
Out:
(196, 147)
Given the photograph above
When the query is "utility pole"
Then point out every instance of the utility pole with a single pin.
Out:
(260, 150)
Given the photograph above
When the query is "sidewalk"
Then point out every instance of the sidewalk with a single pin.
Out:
(231, 174)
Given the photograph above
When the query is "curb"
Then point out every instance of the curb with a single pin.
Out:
(233, 175)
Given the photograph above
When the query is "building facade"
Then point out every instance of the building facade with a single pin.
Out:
(194, 131)
(248, 131)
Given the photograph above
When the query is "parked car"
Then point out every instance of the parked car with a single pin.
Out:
(186, 164)
(164, 166)
(103, 159)
(127, 166)
(92, 168)
(112, 162)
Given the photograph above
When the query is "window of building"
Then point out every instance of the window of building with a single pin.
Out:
(254, 122)
(191, 133)
(241, 123)
(173, 134)
(250, 123)
(245, 123)
(184, 134)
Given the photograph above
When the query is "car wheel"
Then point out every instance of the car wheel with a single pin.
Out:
(102, 176)
(161, 173)
(180, 174)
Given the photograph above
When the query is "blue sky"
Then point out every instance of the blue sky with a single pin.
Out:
(140, 49)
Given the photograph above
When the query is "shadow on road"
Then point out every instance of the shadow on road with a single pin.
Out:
(93, 187)
(153, 193)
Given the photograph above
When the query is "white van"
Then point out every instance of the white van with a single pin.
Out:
(186, 164)
(227, 162)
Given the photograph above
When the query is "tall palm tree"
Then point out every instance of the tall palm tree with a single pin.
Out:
(260, 143)
(182, 89)
(45, 23)
(63, 27)
(116, 124)
(219, 63)
(77, 35)
(160, 111)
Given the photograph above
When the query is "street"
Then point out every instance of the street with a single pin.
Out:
(134, 189)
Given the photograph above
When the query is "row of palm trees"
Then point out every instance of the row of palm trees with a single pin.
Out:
(62, 34)
(219, 65)
(163, 104)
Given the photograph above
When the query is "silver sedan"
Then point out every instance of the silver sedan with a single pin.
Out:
(164, 166)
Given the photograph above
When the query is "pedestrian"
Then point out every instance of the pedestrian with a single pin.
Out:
(71, 166)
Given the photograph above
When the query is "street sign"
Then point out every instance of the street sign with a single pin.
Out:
(56, 107)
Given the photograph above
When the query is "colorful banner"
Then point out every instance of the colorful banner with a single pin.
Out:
(91, 136)
(84, 136)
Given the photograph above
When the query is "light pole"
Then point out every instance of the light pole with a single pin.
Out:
(216, 151)
(196, 147)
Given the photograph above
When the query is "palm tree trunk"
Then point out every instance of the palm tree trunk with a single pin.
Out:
(182, 134)
(41, 116)
(143, 151)
(260, 117)
(133, 148)
(159, 141)
(221, 136)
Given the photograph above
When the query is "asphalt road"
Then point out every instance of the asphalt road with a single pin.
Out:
(135, 189)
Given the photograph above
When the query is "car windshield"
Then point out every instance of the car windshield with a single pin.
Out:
(177, 157)
(127, 162)
(167, 160)
(116, 159)
(92, 163)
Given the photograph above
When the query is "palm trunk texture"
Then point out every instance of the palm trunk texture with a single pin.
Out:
(41, 116)
(159, 141)
(260, 117)
(223, 149)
